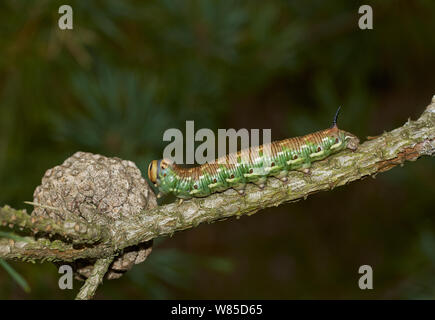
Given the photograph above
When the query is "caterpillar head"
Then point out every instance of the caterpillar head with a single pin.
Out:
(158, 169)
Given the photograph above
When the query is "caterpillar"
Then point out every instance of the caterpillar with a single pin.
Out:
(252, 165)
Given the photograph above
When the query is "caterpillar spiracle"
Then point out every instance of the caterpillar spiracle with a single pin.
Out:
(252, 165)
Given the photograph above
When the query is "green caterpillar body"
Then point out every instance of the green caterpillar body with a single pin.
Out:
(251, 165)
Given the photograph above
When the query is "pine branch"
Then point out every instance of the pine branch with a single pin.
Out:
(43, 249)
(75, 231)
(406, 143)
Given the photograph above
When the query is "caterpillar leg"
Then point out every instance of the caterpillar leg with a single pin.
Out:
(241, 191)
(306, 171)
(261, 182)
(305, 168)
(240, 188)
(282, 175)
(257, 176)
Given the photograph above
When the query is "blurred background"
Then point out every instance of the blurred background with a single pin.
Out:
(129, 70)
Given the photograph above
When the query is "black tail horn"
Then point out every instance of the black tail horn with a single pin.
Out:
(334, 123)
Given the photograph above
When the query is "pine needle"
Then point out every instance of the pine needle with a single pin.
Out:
(15, 275)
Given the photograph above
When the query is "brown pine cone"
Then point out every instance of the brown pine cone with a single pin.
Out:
(98, 190)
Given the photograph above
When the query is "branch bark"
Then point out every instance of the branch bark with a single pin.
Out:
(406, 143)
